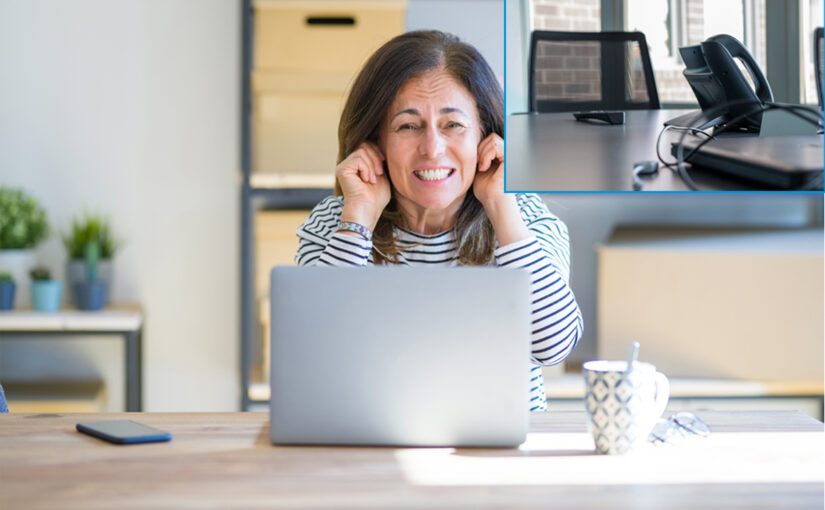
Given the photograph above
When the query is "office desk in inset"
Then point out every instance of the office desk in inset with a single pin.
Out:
(751, 460)
(123, 320)
(555, 152)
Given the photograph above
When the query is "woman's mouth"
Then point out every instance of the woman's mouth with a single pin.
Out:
(433, 174)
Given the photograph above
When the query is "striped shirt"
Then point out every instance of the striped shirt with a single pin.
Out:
(556, 320)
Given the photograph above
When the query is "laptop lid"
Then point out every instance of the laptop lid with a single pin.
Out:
(399, 356)
(776, 161)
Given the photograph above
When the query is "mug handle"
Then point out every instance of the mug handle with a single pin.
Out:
(662, 395)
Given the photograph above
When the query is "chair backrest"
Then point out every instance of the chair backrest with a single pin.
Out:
(818, 63)
(572, 71)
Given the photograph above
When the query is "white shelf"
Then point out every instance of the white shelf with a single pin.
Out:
(259, 392)
(571, 386)
(278, 181)
(126, 319)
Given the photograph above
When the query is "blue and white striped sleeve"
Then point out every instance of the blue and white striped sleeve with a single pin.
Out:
(320, 243)
(556, 319)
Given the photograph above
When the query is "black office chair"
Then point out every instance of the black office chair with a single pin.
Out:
(818, 63)
(571, 71)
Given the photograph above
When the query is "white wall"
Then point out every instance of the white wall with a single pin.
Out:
(131, 108)
(477, 22)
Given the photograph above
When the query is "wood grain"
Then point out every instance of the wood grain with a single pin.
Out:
(225, 460)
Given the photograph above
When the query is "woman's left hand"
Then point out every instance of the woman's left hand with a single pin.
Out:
(488, 185)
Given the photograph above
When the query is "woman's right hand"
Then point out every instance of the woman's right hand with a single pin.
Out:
(364, 184)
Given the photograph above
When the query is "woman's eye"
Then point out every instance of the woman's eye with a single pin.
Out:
(407, 127)
(454, 125)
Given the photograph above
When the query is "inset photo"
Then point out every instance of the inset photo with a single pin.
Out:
(664, 95)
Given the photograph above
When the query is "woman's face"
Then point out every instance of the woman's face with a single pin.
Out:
(430, 140)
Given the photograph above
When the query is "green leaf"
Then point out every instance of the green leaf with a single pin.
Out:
(23, 222)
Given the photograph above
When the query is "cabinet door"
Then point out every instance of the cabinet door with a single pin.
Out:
(306, 56)
(275, 245)
(323, 36)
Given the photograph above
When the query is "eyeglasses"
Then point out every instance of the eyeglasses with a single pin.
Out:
(677, 427)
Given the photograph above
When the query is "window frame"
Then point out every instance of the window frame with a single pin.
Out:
(781, 33)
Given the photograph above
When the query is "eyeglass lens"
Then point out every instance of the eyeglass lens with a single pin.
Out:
(691, 423)
(677, 426)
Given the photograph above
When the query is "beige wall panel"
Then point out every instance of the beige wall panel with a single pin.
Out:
(736, 304)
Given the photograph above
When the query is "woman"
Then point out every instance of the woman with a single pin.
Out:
(420, 180)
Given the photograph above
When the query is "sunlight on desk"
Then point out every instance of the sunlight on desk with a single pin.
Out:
(752, 460)
(569, 459)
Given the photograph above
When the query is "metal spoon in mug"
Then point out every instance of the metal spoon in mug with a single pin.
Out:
(632, 355)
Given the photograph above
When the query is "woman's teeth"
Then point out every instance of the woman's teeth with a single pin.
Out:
(433, 174)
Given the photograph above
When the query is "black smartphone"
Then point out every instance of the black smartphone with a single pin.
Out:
(123, 432)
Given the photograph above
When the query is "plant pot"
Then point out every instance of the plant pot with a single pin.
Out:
(46, 295)
(7, 295)
(18, 263)
(90, 295)
(76, 273)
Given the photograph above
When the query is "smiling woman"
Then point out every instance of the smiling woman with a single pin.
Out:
(420, 181)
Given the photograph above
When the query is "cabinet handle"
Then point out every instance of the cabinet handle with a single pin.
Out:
(330, 20)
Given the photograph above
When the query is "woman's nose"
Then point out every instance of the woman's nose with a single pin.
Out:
(432, 143)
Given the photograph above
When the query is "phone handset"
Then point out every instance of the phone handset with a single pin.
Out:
(720, 49)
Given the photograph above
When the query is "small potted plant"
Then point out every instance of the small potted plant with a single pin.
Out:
(90, 228)
(23, 225)
(90, 293)
(6, 291)
(45, 292)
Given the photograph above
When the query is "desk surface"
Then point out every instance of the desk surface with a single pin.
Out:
(222, 460)
(554, 152)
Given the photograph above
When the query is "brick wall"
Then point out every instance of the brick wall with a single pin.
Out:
(568, 70)
(572, 71)
(570, 15)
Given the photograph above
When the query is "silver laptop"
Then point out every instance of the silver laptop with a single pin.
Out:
(785, 162)
(399, 356)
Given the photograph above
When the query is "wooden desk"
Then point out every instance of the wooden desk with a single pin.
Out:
(123, 320)
(751, 460)
(554, 152)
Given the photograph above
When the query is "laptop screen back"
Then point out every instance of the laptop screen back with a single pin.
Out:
(399, 356)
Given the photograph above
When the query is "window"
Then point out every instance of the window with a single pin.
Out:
(812, 17)
(671, 24)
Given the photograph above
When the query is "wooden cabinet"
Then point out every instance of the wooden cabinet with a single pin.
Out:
(306, 54)
(728, 303)
(275, 245)
(330, 36)
(301, 57)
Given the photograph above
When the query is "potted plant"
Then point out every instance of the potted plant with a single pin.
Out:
(90, 293)
(23, 224)
(91, 228)
(45, 292)
(6, 291)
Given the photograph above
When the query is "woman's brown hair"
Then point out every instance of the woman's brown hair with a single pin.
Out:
(404, 57)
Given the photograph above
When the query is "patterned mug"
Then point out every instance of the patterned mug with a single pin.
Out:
(623, 405)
